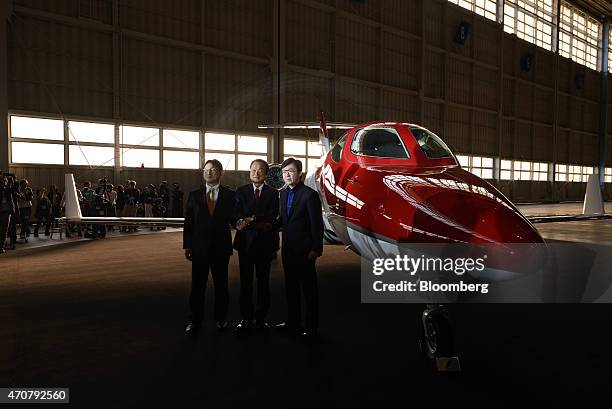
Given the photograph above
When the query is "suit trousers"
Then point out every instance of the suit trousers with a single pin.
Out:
(301, 277)
(5, 221)
(257, 264)
(218, 266)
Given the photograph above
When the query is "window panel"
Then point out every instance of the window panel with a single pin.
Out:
(181, 139)
(244, 161)
(579, 35)
(91, 132)
(91, 155)
(252, 144)
(37, 153)
(219, 141)
(464, 160)
(228, 160)
(136, 158)
(315, 149)
(530, 20)
(37, 128)
(486, 8)
(136, 135)
(294, 147)
(181, 160)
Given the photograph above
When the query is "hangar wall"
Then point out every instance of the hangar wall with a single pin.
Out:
(236, 64)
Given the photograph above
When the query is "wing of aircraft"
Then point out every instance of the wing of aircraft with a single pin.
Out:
(73, 212)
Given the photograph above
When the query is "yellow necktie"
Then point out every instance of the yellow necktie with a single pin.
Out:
(211, 201)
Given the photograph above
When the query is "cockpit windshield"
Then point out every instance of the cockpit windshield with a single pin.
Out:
(431, 144)
(379, 142)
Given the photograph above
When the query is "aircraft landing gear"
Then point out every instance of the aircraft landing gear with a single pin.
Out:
(437, 339)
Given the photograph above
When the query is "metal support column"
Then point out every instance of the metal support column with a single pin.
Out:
(603, 103)
(4, 147)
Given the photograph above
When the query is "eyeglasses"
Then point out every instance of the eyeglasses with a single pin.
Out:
(211, 170)
(289, 172)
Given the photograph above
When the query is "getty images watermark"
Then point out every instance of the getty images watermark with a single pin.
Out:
(554, 272)
(412, 266)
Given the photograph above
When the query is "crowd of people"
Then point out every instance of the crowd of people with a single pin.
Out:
(24, 212)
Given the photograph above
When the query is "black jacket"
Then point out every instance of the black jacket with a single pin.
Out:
(209, 235)
(262, 235)
(8, 193)
(303, 226)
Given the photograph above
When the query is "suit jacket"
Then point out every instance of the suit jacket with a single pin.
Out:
(303, 226)
(8, 193)
(262, 235)
(209, 235)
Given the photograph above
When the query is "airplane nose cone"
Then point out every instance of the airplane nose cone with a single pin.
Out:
(465, 208)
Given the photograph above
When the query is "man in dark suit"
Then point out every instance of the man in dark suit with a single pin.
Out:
(256, 241)
(302, 225)
(207, 241)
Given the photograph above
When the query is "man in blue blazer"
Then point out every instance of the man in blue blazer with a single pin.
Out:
(302, 225)
(256, 240)
(207, 240)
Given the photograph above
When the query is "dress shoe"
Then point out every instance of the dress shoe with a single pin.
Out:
(288, 328)
(2, 251)
(192, 328)
(244, 326)
(222, 325)
(261, 325)
(310, 335)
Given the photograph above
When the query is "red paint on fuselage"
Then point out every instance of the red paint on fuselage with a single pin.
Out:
(419, 199)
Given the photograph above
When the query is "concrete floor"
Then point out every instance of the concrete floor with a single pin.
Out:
(105, 318)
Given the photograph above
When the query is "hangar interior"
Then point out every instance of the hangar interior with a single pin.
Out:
(149, 89)
(146, 90)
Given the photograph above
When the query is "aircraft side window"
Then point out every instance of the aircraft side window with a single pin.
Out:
(431, 144)
(380, 143)
(337, 149)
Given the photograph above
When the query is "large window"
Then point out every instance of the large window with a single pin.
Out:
(579, 36)
(140, 136)
(530, 20)
(524, 170)
(37, 128)
(235, 152)
(573, 173)
(180, 149)
(481, 166)
(307, 152)
(37, 153)
(139, 158)
(93, 156)
(47, 145)
(486, 8)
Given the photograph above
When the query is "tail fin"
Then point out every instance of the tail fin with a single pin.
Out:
(72, 208)
(323, 136)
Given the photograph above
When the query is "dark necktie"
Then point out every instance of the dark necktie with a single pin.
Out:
(290, 196)
(257, 194)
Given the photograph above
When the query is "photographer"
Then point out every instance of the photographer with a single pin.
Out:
(43, 212)
(132, 195)
(164, 195)
(7, 208)
(24, 202)
(99, 208)
(177, 200)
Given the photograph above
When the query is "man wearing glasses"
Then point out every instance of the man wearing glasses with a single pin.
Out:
(207, 241)
(302, 243)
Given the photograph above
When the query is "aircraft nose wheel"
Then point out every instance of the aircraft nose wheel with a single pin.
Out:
(437, 339)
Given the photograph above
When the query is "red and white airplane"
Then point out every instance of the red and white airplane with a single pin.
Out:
(384, 184)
